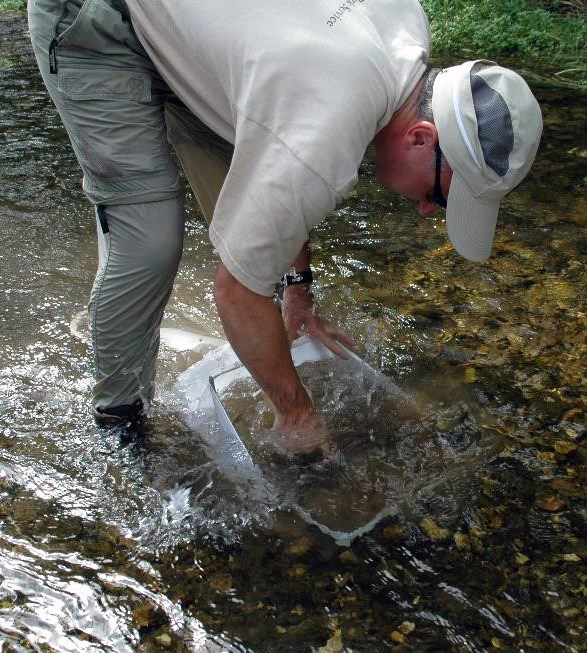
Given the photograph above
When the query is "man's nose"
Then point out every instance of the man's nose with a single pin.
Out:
(426, 208)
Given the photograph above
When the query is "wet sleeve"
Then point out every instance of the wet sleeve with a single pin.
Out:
(267, 206)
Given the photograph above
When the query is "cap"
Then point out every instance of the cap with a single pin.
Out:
(489, 127)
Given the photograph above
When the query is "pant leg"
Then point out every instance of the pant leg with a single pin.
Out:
(111, 101)
(140, 248)
(204, 156)
(205, 172)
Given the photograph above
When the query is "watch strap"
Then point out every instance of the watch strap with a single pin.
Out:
(294, 277)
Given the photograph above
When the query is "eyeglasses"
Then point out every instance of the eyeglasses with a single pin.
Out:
(436, 196)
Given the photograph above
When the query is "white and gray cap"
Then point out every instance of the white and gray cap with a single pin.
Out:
(489, 126)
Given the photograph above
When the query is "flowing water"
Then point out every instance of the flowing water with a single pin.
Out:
(113, 543)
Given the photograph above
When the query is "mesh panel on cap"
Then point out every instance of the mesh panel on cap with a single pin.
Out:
(494, 125)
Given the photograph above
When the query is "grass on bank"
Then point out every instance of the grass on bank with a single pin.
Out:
(5, 5)
(548, 36)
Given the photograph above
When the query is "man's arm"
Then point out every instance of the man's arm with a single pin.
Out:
(255, 329)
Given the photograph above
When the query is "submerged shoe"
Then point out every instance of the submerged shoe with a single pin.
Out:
(119, 415)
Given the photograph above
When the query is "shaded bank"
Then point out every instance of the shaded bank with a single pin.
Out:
(547, 39)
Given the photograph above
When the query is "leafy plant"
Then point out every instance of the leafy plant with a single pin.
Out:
(552, 34)
(12, 4)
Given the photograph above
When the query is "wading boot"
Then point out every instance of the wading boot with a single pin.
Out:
(125, 415)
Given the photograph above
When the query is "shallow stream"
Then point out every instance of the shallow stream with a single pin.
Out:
(114, 544)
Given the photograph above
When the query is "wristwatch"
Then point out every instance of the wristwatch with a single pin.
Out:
(294, 277)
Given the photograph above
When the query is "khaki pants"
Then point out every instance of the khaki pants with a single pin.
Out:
(121, 118)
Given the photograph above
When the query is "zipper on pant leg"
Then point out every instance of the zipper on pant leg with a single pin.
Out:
(53, 57)
(54, 43)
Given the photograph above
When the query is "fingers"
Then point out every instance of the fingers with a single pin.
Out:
(331, 336)
(341, 335)
(328, 334)
(333, 345)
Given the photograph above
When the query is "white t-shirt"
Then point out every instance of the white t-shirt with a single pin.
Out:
(300, 87)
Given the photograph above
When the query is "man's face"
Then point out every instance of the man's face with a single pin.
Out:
(406, 166)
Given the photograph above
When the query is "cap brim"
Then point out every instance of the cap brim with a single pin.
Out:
(470, 223)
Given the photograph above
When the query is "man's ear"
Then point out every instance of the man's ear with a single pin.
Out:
(421, 134)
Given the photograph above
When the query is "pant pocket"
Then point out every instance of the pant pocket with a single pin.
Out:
(115, 125)
(98, 27)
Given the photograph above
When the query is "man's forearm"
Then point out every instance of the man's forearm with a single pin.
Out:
(255, 329)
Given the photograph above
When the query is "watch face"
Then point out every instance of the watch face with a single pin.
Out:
(293, 277)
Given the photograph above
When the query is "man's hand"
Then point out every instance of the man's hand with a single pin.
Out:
(300, 318)
(302, 434)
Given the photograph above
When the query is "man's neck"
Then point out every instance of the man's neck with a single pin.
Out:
(402, 117)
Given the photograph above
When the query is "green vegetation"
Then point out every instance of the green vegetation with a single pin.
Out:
(551, 36)
(12, 4)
